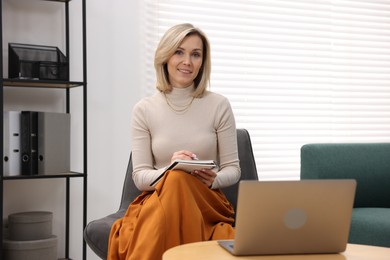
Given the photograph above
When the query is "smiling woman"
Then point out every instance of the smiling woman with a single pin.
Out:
(295, 72)
(181, 121)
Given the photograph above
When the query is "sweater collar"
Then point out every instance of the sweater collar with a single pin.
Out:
(181, 94)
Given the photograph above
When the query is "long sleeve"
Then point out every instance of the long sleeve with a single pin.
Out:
(230, 171)
(144, 172)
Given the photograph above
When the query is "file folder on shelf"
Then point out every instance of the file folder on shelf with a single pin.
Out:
(11, 148)
(53, 143)
(29, 142)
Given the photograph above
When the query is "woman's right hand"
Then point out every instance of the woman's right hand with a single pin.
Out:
(183, 155)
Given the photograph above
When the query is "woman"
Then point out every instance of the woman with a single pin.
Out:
(181, 121)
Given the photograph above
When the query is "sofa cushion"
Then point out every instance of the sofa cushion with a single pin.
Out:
(370, 226)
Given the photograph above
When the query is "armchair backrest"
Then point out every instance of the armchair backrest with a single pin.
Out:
(129, 191)
(367, 163)
(247, 164)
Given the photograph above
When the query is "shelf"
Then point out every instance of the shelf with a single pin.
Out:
(47, 176)
(65, 1)
(29, 83)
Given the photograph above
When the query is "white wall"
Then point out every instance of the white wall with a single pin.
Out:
(114, 85)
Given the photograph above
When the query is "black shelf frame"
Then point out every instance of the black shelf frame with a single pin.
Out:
(25, 83)
(51, 176)
(51, 84)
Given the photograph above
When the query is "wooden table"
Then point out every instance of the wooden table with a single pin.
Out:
(211, 250)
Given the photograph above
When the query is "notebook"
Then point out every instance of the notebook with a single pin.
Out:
(187, 166)
(292, 217)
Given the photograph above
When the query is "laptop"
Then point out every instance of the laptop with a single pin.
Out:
(292, 217)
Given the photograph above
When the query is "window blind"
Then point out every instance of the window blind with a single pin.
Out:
(295, 72)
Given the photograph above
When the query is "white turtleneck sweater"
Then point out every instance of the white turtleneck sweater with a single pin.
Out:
(207, 128)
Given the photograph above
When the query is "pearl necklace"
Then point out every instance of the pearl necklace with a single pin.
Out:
(182, 108)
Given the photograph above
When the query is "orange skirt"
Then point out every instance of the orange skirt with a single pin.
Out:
(180, 210)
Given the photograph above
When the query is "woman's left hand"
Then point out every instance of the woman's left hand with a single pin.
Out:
(206, 176)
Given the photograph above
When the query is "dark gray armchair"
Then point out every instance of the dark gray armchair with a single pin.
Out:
(97, 232)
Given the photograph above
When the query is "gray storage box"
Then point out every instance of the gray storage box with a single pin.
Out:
(44, 249)
(32, 225)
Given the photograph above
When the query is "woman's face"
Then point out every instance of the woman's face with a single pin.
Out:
(185, 63)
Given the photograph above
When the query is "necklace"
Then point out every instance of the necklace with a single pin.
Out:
(180, 108)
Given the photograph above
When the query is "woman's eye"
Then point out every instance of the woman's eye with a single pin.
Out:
(179, 52)
(196, 54)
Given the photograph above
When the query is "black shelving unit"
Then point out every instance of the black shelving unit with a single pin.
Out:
(63, 86)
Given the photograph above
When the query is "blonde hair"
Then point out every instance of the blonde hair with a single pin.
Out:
(169, 43)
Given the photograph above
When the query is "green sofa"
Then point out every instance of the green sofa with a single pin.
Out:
(369, 165)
